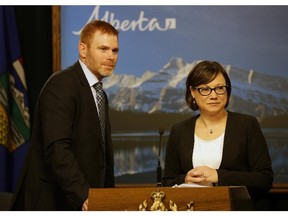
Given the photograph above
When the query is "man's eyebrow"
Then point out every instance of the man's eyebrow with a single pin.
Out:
(102, 46)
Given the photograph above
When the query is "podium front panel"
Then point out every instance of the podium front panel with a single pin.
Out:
(130, 199)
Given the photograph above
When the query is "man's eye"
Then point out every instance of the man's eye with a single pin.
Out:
(102, 48)
(115, 51)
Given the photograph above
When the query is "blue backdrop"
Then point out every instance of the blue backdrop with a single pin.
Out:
(158, 47)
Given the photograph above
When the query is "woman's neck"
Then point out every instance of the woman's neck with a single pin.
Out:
(213, 119)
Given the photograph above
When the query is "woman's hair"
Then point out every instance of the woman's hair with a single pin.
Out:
(90, 28)
(203, 73)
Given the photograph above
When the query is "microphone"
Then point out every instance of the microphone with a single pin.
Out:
(159, 169)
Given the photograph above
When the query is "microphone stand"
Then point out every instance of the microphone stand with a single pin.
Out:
(159, 169)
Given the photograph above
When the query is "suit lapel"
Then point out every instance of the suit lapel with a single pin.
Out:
(90, 100)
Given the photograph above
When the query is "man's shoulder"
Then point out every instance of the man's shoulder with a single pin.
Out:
(70, 69)
(66, 73)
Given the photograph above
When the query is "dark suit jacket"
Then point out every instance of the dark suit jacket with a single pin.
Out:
(245, 161)
(66, 156)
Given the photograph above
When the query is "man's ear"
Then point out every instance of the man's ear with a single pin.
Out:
(82, 49)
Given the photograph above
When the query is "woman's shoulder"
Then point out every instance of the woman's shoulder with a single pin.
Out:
(236, 116)
(187, 123)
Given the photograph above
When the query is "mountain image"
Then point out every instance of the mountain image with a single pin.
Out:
(253, 92)
(139, 105)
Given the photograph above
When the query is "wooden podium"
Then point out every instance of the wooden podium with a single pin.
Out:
(165, 198)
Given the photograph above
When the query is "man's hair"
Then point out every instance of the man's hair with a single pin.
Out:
(97, 25)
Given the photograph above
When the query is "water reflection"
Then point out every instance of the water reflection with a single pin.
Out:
(138, 152)
(135, 153)
(277, 140)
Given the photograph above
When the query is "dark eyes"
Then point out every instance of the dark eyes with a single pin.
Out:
(105, 49)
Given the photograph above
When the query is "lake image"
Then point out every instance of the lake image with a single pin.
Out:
(137, 153)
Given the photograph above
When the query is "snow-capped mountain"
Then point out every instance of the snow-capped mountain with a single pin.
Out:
(252, 92)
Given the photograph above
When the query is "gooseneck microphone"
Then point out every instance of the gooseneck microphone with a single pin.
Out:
(159, 169)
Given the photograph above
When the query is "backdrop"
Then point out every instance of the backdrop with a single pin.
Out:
(158, 47)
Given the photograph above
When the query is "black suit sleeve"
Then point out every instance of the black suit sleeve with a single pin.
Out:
(173, 173)
(178, 160)
(246, 160)
(58, 107)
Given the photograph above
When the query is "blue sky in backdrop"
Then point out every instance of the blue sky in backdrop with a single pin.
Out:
(247, 37)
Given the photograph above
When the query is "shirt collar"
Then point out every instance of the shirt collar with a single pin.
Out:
(92, 79)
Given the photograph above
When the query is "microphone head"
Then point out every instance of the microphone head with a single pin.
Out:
(161, 130)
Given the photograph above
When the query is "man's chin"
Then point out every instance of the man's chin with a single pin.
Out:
(107, 73)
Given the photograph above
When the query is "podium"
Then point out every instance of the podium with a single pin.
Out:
(165, 198)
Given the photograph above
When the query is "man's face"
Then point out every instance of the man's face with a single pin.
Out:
(101, 57)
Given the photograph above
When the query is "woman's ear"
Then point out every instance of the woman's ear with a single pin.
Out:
(192, 91)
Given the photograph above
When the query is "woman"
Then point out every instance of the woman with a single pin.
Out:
(216, 147)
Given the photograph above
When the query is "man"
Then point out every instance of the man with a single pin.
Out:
(69, 151)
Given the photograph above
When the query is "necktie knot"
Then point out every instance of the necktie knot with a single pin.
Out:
(98, 86)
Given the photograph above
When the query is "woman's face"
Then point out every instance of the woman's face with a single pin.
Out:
(212, 103)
